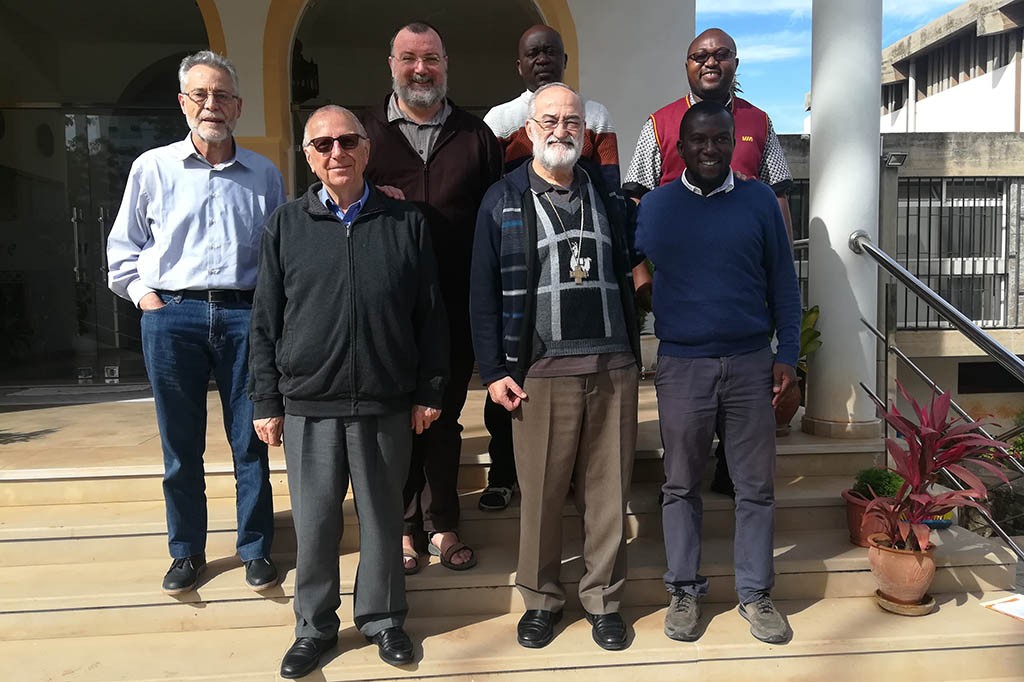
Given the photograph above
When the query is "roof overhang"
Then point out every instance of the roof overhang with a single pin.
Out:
(981, 17)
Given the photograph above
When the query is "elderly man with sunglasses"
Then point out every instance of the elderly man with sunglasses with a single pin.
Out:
(183, 249)
(349, 359)
(556, 339)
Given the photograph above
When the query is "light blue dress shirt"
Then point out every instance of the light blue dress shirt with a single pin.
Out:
(187, 224)
(349, 215)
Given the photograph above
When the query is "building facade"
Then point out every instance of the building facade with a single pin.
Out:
(80, 98)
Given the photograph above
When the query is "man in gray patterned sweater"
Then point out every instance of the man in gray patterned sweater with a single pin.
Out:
(551, 306)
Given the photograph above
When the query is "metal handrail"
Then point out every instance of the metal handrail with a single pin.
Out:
(923, 376)
(860, 242)
(799, 244)
(956, 483)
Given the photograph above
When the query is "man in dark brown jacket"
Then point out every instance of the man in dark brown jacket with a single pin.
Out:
(443, 159)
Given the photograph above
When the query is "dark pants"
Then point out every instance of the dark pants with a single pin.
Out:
(733, 394)
(322, 456)
(498, 421)
(183, 344)
(431, 494)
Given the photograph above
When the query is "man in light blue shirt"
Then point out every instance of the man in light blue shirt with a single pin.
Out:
(183, 248)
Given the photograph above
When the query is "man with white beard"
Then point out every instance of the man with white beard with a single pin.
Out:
(443, 159)
(555, 335)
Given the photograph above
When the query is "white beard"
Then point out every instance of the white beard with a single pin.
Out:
(557, 156)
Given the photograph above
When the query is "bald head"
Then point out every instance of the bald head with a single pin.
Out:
(542, 57)
(332, 110)
(711, 63)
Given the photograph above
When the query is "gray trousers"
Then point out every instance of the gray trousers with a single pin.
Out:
(322, 454)
(696, 395)
(583, 425)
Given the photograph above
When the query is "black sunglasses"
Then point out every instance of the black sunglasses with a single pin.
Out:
(348, 142)
(720, 55)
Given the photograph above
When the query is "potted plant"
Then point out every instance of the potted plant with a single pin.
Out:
(809, 342)
(901, 553)
(868, 484)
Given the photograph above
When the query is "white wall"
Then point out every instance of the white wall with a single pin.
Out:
(632, 58)
(981, 105)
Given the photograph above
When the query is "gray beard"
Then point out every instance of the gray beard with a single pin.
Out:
(418, 98)
(557, 157)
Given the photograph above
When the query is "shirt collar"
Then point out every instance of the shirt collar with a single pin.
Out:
(539, 185)
(349, 214)
(395, 113)
(693, 99)
(726, 186)
(186, 149)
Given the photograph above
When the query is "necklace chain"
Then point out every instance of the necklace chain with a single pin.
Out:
(579, 241)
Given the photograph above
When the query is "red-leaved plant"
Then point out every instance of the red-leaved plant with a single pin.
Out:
(935, 442)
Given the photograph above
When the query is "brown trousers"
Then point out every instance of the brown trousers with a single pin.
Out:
(587, 425)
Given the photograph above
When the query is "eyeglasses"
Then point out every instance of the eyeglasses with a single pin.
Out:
(549, 123)
(219, 96)
(721, 54)
(431, 60)
(325, 145)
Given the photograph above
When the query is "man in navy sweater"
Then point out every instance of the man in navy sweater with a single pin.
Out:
(723, 279)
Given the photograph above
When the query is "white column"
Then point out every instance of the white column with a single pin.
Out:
(844, 163)
(912, 98)
(244, 22)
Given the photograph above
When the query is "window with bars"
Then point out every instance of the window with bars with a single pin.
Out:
(952, 233)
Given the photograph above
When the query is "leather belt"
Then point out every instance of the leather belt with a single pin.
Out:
(214, 295)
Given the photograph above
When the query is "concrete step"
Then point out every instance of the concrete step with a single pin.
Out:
(34, 534)
(58, 485)
(842, 640)
(123, 596)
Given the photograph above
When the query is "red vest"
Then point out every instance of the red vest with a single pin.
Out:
(751, 135)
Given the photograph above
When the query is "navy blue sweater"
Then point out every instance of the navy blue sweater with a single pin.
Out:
(723, 271)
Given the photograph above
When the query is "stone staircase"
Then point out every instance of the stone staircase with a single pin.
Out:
(83, 549)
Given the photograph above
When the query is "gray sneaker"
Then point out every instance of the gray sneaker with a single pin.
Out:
(682, 617)
(766, 623)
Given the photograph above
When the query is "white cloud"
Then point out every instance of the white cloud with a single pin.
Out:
(772, 47)
(901, 9)
(916, 9)
(791, 7)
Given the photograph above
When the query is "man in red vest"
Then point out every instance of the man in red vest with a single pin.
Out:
(711, 63)
(710, 69)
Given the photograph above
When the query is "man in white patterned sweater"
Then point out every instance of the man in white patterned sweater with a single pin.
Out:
(542, 60)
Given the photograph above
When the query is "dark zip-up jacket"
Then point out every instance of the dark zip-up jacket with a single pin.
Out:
(346, 321)
(465, 161)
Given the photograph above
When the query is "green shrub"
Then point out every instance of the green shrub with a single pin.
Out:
(883, 482)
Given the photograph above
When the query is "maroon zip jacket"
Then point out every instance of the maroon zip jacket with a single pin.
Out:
(465, 161)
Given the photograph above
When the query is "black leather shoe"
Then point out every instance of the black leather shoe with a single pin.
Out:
(394, 646)
(183, 575)
(609, 630)
(304, 656)
(260, 574)
(536, 628)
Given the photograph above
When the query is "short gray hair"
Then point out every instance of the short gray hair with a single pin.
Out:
(556, 84)
(332, 109)
(207, 58)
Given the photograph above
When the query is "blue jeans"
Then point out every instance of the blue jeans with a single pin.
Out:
(732, 394)
(184, 343)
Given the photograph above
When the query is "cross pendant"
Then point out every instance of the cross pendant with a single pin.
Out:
(579, 274)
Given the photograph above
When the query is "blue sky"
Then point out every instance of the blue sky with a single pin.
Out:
(773, 38)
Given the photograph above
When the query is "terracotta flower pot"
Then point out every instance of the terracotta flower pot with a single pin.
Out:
(855, 508)
(902, 576)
